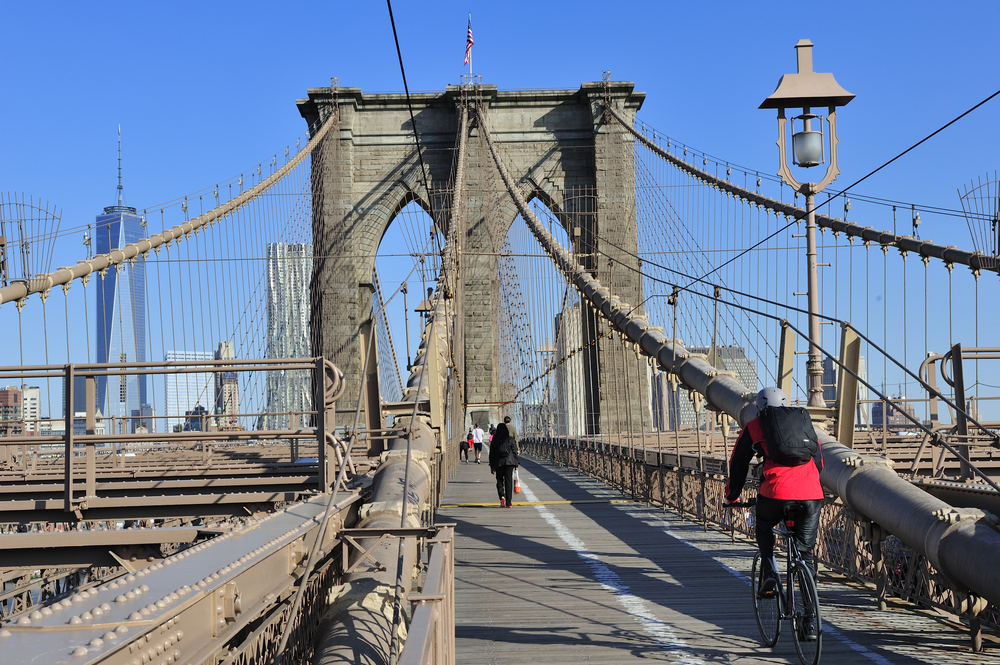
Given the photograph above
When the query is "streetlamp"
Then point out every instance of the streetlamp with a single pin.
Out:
(807, 90)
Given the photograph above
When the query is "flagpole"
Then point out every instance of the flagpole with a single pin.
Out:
(470, 50)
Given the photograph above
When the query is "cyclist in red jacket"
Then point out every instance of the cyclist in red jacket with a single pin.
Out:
(786, 492)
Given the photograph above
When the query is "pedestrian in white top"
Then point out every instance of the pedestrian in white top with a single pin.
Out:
(477, 441)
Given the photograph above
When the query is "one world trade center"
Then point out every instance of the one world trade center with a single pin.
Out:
(121, 315)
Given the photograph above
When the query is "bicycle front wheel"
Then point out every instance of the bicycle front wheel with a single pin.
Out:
(807, 629)
(766, 609)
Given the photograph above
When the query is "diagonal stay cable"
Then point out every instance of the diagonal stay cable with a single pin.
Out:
(798, 215)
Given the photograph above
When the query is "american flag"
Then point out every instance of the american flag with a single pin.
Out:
(468, 43)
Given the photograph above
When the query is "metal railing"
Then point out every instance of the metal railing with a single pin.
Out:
(83, 436)
(854, 547)
(431, 636)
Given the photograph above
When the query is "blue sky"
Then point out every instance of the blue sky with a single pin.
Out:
(206, 90)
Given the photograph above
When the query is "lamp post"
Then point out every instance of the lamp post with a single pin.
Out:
(807, 90)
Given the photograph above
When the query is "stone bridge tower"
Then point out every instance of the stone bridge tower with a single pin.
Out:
(560, 148)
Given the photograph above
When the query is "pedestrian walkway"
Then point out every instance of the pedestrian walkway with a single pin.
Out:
(574, 573)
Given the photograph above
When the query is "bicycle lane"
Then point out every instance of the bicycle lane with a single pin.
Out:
(583, 582)
(854, 630)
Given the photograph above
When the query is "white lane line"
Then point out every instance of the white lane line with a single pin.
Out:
(609, 580)
(656, 522)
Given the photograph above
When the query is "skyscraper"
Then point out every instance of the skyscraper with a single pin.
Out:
(32, 403)
(570, 400)
(184, 392)
(677, 405)
(121, 308)
(227, 391)
(289, 270)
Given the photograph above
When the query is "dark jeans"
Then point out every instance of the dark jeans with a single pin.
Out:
(804, 528)
(505, 483)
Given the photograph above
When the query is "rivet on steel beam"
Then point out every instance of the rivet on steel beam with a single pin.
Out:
(57, 607)
(5, 633)
(24, 621)
(35, 615)
(135, 616)
(144, 588)
(105, 607)
(97, 642)
(86, 616)
(46, 611)
(97, 611)
(80, 651)
(74, 621)
(110, 635)
(129, 595)
(121, 630)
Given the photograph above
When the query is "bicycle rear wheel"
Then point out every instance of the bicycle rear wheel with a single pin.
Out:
(807, 629)
(767, 610)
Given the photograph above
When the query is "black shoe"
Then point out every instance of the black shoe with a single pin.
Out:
(768, 586)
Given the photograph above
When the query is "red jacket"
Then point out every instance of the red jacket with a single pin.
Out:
(779, 482)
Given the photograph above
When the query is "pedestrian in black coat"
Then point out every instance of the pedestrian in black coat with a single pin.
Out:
(503, 460)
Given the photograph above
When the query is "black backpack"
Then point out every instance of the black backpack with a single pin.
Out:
(788, 431)
(503, 448)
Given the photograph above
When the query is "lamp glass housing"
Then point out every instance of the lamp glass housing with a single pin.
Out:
(808, 143)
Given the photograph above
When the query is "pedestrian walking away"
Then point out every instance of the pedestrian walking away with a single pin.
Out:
(466, 444)
(790, 489)
(503, 461)
(477, 441)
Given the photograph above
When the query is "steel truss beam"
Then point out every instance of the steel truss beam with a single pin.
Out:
(185, 608)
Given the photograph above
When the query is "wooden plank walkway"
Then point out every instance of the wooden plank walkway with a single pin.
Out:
(585, 576)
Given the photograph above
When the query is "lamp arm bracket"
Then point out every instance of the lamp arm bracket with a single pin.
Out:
(833, 170)
(783, 170)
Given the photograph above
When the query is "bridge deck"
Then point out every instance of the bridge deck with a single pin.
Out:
(602, 580)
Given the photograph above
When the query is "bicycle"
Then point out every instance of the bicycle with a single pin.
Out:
(801, 607)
